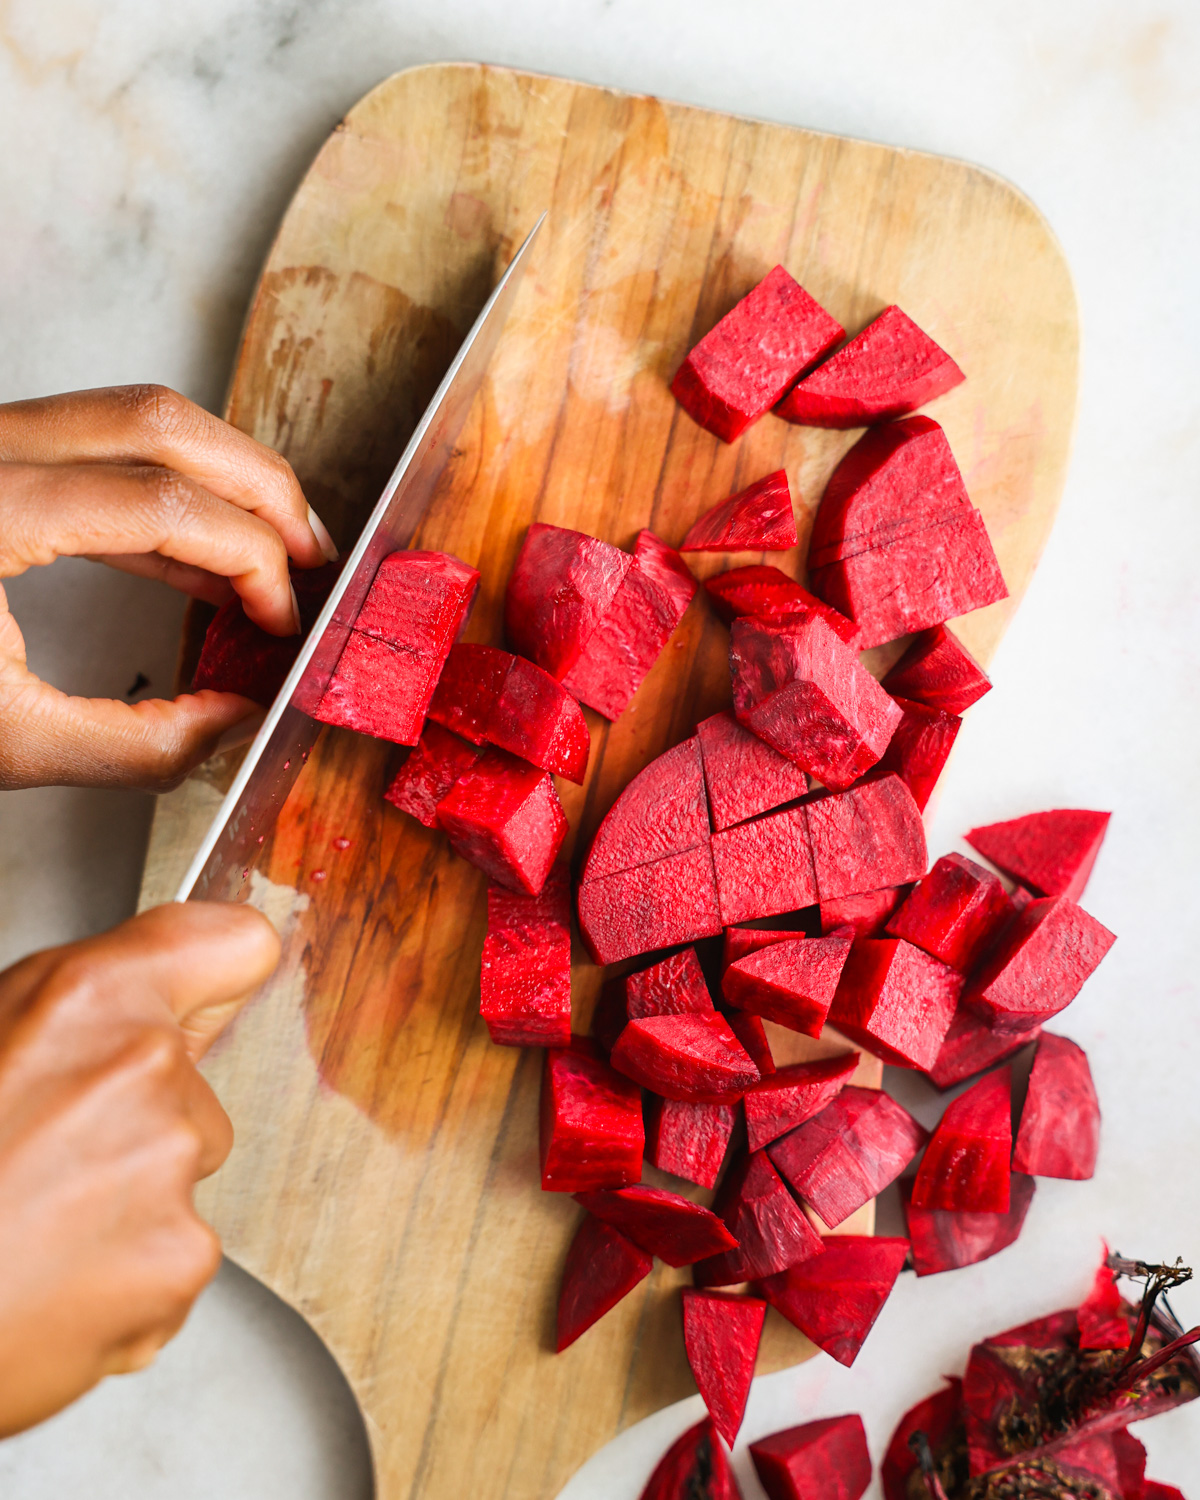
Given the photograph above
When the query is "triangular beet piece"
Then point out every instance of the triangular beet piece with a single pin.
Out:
(792, 1095)
(939, 1417)
(750, 1031)
(663, 811)
(743, 774)
(695, 1058)
(944, 1241)
(688, 1140)
(896, 1001)
(436, 763)
(937, 669)
(1059, 1134)
(790, 983)
(771, 1231)
(672, 987)
(661, 1223)
(866, 914)
(504, 816)
(966, 1165)
(591, 1133)
(561, 584)
(954, 912)
(764, 867)
(841, 1158)
(834, 1298)
(525, 971)
(866, 838)
(694, 1467)
(1103, 1315)
(769, 593)
(971, 1045)
(919, 748)
(756, 519)
(721, 1333)
(671, 900)
(1050, 852)
(602, 1267)
(825, 1460)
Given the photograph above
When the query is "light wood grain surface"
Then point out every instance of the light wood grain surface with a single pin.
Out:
(384, 1179)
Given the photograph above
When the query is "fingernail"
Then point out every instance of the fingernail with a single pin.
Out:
(295, 609)
(240, 733)
(324, 540)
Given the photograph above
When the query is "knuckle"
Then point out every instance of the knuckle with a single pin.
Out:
(197, 1258)
(159, 411)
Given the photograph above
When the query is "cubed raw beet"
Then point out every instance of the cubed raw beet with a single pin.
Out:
(525, 975)
(938, 670)
(864, 915)
(763, 867)
(742, 940)
(632, 631)
(1038, 965)
(825, 1460)
(436, 763)
(590, 1124)
(688, 1140)
(721, 1333)
(663, 811)
(560, 587)
(695, 1058)
(804, 691)
(750, 1032)
(504, 816)
(840, 1159)
(792, 1095)
(661, 1223)
(943, 1240)
(791, 983)
(673, 900)
(1050, 852)
(1059, 1134)
(920, 748)
(971, 1045)
(865, 838)
(966, 1165)
(672, 987)
(771, 1231)
(1103, 1316)
(896, 1001)
(741, 368)
(694, 1467)
(602, 1267)
(769, 593)
(954, 912)
(743, 774)
(939, 1417)
(756, 519)
(887, 371)
(490, 696)
(834, 1297)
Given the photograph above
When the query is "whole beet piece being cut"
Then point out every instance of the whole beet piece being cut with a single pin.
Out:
(756, 519)
(793, 1095)
(938, 670)
(688, 1140)
(966, 1165)
(694, 1467)
(944, 1240)
(1059, 1134)
(525, 972)
(590, 1126)
(834, 1297)
(954, 912)
(721, 1333)
(762, 590)
(504, 816)
(602, 1267)
(825, 1460)
(661, 1223)
(791, 983)
(437, 761)
(696, 1058)
(771, 1231)
(1052, 853)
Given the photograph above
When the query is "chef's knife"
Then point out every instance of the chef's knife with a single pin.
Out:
(221, 868)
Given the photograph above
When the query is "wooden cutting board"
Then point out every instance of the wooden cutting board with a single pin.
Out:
(384, 1180)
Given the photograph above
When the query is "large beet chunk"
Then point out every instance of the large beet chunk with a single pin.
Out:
(695, 1058)
(944, 1240)
(971, 1045)
(756, 519)
(743, 774)
(866, 838)
(504, 816)
(591, 1133)
(954, 912)
(561, 585)
(825, 1460)
(663, 811)
(896, 1001)
(1059, 1134)
(436, 763)
(525, 973)
(661, 1223)
(792, 1095)
(966, 1165)
(763, 867)
(688, 1140)
(791, 983)
(672, 900)
(920, 747)
(834, 1297)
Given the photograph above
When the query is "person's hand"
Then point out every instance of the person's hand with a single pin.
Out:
(140, 478)
(105, 1127)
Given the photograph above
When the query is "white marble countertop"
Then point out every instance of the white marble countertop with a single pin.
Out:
(148, 153)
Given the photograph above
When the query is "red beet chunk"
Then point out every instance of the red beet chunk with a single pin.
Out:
(525, 976)
(695, 1058)
(559, 589)
(943, 1240)
(1103, 1316)
(864, 915)
(756, 519)
(826, 1460)
(792, 1095)
(661, 1223)
(436, 763)
(505, 817)
(770, 594)
(741, 368)
(1152, 1490)
(896, 1001)
(1039, 964)
(688, 1140)
(939, 1417)
(469, 689)
(971, 1045)
(743, 774)
(840, 1159)
(804, 691)
(887, 371)
(673, 900)
(663, 811)
(694, 1467)
(834, 1298)
(590, 1123)
(721, 1333)
(1059, 1134)
(791, 983)
(920, 748)
(954, 912)
(966, 1165)
(673, 987)
(865, 838)
(939, 671)
(764, 867)
(602, 1267)
(1050, 852)
(742, 940)
(771, 1231)
(750, 1032)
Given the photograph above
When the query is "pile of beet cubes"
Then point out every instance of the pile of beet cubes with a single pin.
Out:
(789, 832)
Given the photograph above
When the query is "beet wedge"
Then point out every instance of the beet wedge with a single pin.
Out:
(750, 1031)
(920, 747)
(841, 1158)
(744, 776)
(769, 593)
(1059, 1134)
(688, 1140)
(661, 1223)
(966, 1165)
(771, 1231)
(670, 901)
(791, 983)
(504, 816)
(971, 1045)
(591, 1133)
(721, 1333)
(886, 371)
(939, 671)
(866, 838)
(954, 913)
(940, 1418)
(825, 1460)
(561, 585)
(436, 763)
(663, 811)
(896, 1001)
(525, 973)
(694, 1467)
(1052, 853)
(792, 1095)
(943, 1240)
(672, 987)
(756, 519)
(1102, 1316)
(834, 1297)
(602, 1267)
(864, 915)
(692, 1057)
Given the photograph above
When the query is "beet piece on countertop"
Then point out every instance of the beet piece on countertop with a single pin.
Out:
(436, 763)
(1059, 1134)
(971, 1045)
(688, 1140)
(663, 811)
(792, 1095)
(865, 914)
(770, 1228)
(939, 1417)
(825, 1460)
(766, 591)
(591, 1133)
(673, 900)
(865, 838)
(1102, 1315)
(743, 774)
(742, 940)
(525, 974)
(763, 867)
(803, 690)
(721, 1334)
(792, 983)
(886, 371)
(896, 1001)
(661, 1223)
(835, 1297)
(672, 987)
(938, 670)
(750, 1032)
(920, 747)
(560, 587)
(694, 1467)
(954, 912)
(841, 1158)
(695, 1058)
(602, 1267)
(1050, 852)
(741, 368)
(944, 1240)
(1038, 965)
(756, 519)
(966, 1165)
(504, 816)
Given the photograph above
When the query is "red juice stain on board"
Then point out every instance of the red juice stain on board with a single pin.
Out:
(318, 875)
(342, 843)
